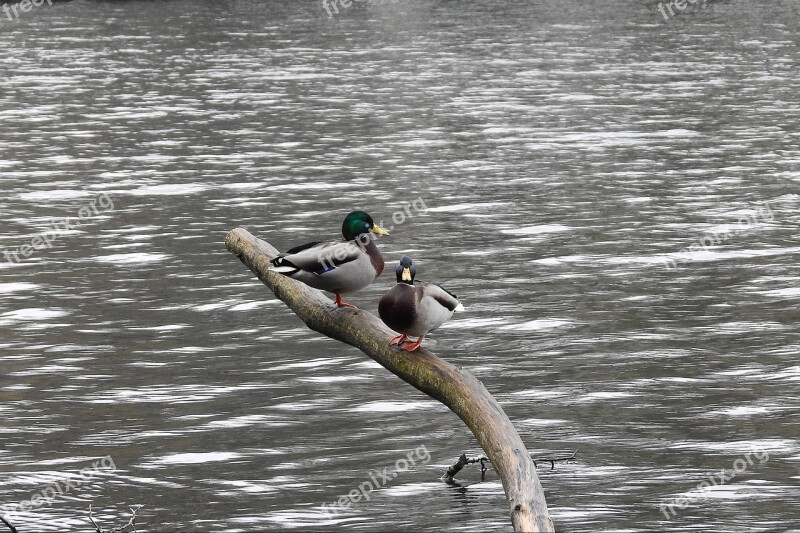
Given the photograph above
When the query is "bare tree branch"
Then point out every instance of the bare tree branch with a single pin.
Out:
(453, 386)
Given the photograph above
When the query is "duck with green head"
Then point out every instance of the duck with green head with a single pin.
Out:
(415, 308)
(337, 267)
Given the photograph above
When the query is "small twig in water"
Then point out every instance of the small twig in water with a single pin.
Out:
(11, 527)
(131, 522)
(464, 461)
(96, 527)
(554, 460)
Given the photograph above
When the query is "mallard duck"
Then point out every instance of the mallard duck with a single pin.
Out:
(415, 308)
(337, 267)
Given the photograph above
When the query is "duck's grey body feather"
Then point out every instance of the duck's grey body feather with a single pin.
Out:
(336, 267)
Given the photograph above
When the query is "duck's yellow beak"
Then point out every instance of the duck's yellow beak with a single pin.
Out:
(375, 229)
(406, 274)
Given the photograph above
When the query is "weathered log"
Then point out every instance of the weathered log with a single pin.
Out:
(455, 387)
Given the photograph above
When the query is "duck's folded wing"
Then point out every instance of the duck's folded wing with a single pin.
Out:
(444, 297)
(318, 257)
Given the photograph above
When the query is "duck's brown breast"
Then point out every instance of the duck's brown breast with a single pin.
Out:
(397, 308)
(375, 257)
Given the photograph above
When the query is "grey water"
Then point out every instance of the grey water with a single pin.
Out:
(613, 193)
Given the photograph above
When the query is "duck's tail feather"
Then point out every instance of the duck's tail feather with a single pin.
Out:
(283, 266)
(460, 307)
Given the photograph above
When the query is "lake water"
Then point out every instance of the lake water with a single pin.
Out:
(561, 154)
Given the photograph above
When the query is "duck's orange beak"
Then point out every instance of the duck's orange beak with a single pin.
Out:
(406, 274)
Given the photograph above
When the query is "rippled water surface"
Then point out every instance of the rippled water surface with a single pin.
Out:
(567, 155)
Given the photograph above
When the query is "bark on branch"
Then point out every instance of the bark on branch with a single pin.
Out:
(455, 387)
